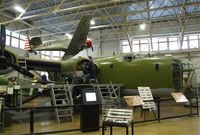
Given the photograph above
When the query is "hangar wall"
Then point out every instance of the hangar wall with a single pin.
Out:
(107, 46)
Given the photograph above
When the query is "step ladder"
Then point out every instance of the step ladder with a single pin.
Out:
(61, 95)
(111, 91)
(110, 95)
(22, 63)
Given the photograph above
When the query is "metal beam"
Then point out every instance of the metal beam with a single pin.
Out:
(8, 16)
(119, 30)
(9, 4)
(55, 7)
(119, 14)
(127, 24)
(148, 10)
(67, 10)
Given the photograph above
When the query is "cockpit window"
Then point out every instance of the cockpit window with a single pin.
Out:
(129, 58)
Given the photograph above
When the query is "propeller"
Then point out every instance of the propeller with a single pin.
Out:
(3, 39)
(3, 58)
(17, 68)
(92, 48)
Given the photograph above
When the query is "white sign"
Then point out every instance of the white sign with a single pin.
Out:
(17, 87)
(146, 95)
(10, 90)
(91, 96)
(179, 97)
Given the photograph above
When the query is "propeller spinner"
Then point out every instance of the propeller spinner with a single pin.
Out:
(89, 43)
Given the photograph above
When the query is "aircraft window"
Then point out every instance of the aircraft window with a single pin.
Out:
(128, 58)
(111, 65)
(157, 67)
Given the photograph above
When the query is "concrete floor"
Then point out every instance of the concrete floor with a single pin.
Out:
(183, 126)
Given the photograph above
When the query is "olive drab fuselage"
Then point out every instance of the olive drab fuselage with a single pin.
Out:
(131, 71)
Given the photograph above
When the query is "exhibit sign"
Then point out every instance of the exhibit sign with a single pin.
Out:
(133, 100)
(179, 97)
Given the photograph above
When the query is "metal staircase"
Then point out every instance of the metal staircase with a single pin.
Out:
(110, 95)
(109, 90)
(23, 64)
(61, 96)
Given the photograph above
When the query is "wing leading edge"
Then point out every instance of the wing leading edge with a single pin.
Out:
(43, 65)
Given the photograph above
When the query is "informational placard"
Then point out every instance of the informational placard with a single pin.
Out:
(146, 95)
(179, 97)
(3, 88)
(133, 100)
(17, 87)
(10, 90)
(149, 105)
(91, 96)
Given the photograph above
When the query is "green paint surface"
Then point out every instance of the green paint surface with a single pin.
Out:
(138, 72)
(3, 81)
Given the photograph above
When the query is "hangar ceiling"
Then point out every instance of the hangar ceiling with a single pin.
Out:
(50, 18)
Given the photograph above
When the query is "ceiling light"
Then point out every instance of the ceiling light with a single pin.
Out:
(92, 22)
(142, 26)
(19, 9)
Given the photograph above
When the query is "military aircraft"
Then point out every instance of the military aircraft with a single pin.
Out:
(9, 60)
(162, 74)
(70, 46)
(130, 70)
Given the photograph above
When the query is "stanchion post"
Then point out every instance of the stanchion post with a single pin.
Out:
(159, 110)
(190, 100)
(132, 128)
(197, 106)
(32, 121)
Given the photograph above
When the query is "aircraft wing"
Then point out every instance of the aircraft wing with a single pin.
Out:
(79, 38)
(42, 65)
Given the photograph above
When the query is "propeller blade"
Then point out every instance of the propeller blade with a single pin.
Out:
(3, 39)
(21, 70)
(17, 68)
(3, 59)
(92, 48)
